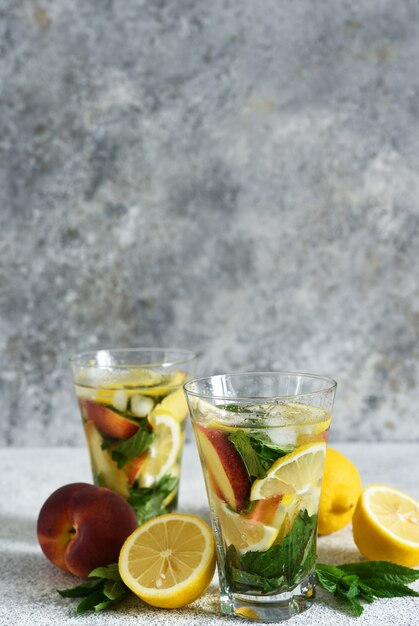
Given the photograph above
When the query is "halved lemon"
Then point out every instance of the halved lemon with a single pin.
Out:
(163, 451)
(297, 472)
(244, 533)
(386, 525)
(169, 561)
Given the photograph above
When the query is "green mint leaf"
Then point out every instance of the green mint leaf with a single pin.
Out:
(102, 593)
(282, 562)
(349, 586)
(107, 604)
(365, 592)
(381, 570)
(80, 591)
(130, 448)
(366, 581)
(387, 589)
(233, 408)
(90, 601)
(109, 572)
(241, 442)
(250, 581)
(148, 502)
(288, 557)
(328, 579)
(113, 589)
(355, 606)
(266, 450)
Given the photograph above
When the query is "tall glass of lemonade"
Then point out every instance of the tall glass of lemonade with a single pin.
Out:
(133, 411)
(262, 444)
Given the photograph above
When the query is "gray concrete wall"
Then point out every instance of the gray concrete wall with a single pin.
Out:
(241, 178)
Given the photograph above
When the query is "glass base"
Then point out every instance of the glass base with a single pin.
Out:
(271, 608)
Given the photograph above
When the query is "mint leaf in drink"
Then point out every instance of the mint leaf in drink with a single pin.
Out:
(241, 441)
(268, 451)
(282, 563)
(106, 590)
(295, 554)
(234, 408)
(257, 451)
(148, 502)
(252, 582)
(128, 449)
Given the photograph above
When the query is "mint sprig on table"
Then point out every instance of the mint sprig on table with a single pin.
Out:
(350, 583)
(103, 592)
(366, 581)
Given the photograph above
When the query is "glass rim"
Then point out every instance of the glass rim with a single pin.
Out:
(180, 356)
(330, 386)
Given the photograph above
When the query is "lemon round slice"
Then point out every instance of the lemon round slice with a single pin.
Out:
(297, 472)
(386, 525)
(244, 533)
(164, 449)
(169, 561)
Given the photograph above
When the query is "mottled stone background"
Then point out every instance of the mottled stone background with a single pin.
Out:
(241, 178)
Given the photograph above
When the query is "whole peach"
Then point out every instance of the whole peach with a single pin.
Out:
(81, 527)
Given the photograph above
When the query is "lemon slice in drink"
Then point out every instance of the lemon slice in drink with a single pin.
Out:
(169, 561)
(386, 525)
(244, 533)
(163, 450)
(175, 404)
(166, 384)
(297, 472)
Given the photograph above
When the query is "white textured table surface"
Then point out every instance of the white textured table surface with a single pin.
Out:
(28, 581)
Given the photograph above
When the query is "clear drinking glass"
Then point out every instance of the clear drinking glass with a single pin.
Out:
(134, 410)
(262, 442)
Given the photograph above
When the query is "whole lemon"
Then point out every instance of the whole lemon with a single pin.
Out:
(341, 489)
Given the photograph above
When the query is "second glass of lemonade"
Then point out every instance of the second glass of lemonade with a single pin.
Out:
(262, 443)
(133, 411)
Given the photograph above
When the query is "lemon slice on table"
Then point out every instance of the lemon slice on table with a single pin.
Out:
(163, 450)
(296, 472)
(169, 561)
(244, 533)
(386, 525)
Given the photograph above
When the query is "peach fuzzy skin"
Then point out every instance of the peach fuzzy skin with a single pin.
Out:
(225, 466)
(81, 527)
(108, 422)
